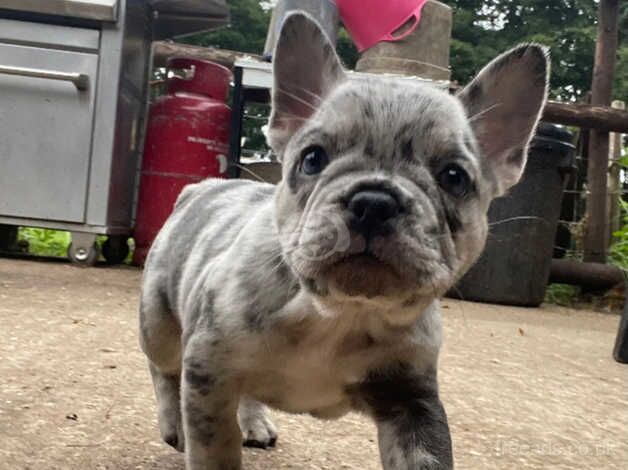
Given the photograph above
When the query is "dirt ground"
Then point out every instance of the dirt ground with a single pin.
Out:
(524, 388)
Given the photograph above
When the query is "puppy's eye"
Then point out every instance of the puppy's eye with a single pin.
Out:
(314, 160)
(455, 180)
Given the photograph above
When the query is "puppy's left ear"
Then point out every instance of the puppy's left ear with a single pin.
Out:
(504, 104)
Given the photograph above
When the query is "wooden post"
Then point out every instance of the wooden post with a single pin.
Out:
(614, 185)
(601, 88)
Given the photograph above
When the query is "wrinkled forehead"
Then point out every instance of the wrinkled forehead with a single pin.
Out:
(389, 112)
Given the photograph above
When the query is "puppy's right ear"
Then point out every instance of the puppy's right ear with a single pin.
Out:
(305, 69)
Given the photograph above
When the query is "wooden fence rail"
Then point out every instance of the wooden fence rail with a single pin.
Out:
(587, 116)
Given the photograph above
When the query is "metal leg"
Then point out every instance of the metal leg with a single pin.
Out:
(235, 137)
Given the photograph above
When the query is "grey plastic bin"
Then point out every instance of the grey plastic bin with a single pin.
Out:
(515, 265)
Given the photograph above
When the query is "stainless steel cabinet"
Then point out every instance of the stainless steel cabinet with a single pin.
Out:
(73, 99)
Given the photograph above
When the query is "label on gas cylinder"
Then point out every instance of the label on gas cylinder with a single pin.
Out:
(210, 144)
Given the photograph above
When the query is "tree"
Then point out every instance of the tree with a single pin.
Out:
(620, 87)
(482, 29)
(248, 29)
(246, 33)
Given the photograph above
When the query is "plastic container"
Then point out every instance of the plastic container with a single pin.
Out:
(372, 21)
(515, 265)
(324, 11)
(422, 52)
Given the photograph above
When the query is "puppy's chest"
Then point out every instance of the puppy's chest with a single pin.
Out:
(311, 366)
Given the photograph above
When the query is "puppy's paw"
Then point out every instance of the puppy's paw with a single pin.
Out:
(259, 432)
(173, 436)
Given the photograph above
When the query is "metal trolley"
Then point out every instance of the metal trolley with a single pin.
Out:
(73, 97)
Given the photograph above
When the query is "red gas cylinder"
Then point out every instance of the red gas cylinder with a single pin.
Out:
(187, 140)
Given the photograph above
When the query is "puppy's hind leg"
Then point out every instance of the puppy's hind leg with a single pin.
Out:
(257, 429)
(167, 391)
(160, 338)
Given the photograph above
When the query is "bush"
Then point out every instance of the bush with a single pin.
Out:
(618, 253)
(44, 242)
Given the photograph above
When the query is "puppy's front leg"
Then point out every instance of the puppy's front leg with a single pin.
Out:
(210, 403)
(412, 427)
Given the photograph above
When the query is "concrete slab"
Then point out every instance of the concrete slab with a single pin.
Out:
(524, 388)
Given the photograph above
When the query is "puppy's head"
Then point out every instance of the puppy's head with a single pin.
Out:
(386, 182)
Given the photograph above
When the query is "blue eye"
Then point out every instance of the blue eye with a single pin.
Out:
(455, 180)
(314, 159)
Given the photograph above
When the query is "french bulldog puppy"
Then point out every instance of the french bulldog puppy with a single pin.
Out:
(320, 295)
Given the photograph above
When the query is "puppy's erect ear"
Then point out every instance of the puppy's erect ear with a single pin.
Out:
(305, 69)
(504, 104)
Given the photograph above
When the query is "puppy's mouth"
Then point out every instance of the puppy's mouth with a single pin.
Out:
(363, 274)
(388, 265)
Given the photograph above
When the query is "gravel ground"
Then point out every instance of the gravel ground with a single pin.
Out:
(524, 388)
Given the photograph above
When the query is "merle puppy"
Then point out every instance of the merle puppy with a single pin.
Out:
(320, 295)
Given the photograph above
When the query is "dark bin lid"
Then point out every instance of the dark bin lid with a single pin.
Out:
(553, 137)
(546, 129)
(556, 142)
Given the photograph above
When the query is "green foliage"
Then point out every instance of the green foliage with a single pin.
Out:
(55, 243)
(247, 32)
(562, 294)
(248, 29)
(255, 116)
(346, 49)
(482, 29)
(44, 242)
(620, 86)
(618, 253)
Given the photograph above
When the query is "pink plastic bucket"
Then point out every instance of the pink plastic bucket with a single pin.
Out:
(372, 21)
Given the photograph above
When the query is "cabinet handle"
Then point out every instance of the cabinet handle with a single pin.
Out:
(80, 80)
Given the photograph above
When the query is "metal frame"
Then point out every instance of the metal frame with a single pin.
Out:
(252, 81)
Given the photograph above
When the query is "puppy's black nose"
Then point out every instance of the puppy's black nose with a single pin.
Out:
(371, 209)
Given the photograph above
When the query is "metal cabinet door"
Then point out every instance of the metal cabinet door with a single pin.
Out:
(46, 117)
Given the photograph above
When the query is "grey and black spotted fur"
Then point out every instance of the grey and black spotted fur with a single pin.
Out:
(320, 295)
